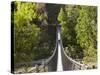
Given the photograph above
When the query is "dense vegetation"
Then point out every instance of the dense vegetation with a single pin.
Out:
(33, 38)
(79, 31)
(35, 30)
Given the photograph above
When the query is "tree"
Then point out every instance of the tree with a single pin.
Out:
(86, 30)
(32, 38)
(68, 19)
(25, 34)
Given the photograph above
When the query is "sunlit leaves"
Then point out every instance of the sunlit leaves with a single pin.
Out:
(79, 31)
(86, 30)
(32, 41)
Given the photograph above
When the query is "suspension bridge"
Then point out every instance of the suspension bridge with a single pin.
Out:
(59, 60)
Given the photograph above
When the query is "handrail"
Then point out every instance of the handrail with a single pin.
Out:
(50, 58)
(68, 62)
(51, 62)
(72, 59)
(73, 62)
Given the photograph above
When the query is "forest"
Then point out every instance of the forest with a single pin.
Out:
(35, 30)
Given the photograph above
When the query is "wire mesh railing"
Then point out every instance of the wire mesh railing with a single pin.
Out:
(68, 62)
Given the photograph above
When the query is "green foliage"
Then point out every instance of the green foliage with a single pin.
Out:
(25, 34)
(68, 18)
(31, 41)
(62, 16)
(35, 34)
(79, 31)
(25, 41)
(86, 29)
